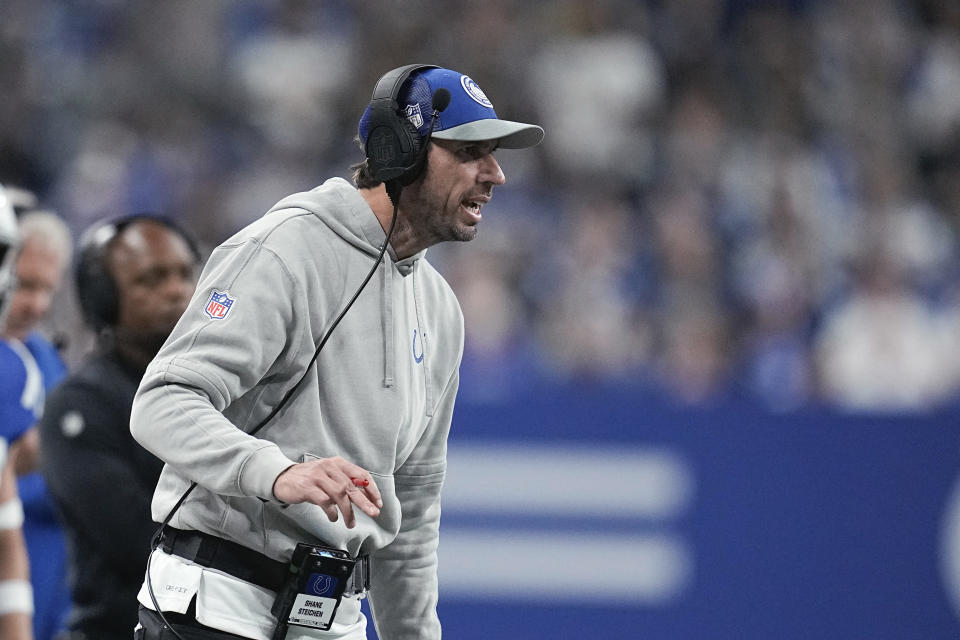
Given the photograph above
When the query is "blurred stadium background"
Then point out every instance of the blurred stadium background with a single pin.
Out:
(711, 381)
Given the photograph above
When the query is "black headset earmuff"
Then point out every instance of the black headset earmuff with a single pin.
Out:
(393, 143)
(96, 287)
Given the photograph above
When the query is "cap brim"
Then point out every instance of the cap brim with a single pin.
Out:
(510, 135)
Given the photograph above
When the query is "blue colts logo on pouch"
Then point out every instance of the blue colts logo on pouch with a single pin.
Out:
(218, 306)
(417, 358)
(321, 584)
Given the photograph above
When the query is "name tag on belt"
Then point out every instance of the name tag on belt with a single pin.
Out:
(314, 587)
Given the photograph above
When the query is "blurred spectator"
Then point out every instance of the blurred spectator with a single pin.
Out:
(44, 254)
(134, 276)
(592, 325)
(16, 593)
(599, 85)
(773, 280)
(291, 73)
(694, 351)
(881, 349)
(694, 359)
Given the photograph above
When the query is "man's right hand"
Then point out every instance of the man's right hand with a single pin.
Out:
(329, 484)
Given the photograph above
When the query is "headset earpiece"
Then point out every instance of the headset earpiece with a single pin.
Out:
(393, 144)
(96, 289)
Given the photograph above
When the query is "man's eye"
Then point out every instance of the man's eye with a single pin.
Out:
(150, 278)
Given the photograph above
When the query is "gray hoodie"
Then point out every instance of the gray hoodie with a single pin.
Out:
(381, 394)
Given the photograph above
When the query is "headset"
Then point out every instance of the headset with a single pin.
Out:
(395, 149)
(96, 286)
(395, 154)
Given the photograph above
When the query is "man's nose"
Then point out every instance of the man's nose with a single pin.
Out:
(38, 302)
(491, 171)
(178, 286)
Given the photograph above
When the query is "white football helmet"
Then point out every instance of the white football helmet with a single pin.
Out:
(9, 244)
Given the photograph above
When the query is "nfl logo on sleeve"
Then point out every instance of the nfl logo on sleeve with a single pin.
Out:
(218, 306)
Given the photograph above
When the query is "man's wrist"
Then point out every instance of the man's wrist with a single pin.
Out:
(260, 471)
(275, 482)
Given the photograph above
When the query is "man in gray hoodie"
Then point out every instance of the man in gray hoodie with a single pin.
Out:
(303, 401)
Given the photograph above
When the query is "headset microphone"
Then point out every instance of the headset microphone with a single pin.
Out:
(441, 100)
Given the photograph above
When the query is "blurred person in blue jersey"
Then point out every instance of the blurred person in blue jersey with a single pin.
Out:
(29, 359)
(16, 593)
(134, 277)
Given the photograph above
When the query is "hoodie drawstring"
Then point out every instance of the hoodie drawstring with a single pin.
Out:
(428, 388)
(386, 318)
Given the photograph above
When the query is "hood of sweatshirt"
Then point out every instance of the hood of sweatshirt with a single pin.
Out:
(340, 205)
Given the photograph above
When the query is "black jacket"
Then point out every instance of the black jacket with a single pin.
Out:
(102, 482)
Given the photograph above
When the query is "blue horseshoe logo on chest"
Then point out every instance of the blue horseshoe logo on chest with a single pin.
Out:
(417, 358)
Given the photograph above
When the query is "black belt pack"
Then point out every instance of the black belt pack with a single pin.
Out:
(318, 579)
(309, 588)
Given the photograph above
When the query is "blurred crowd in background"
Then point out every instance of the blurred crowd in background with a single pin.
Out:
(741, 199)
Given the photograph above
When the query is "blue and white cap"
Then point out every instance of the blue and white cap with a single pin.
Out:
(469, 116)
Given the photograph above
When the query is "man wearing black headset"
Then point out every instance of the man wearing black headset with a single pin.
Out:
(303, 415)
(134, 278)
